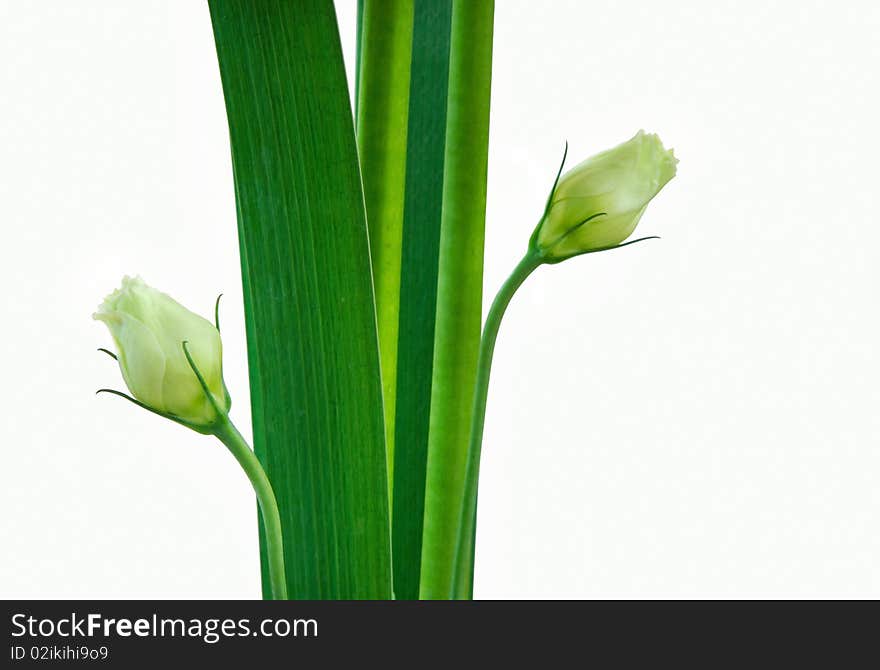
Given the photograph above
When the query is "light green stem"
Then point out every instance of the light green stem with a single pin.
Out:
(228, 434)
(468, 518)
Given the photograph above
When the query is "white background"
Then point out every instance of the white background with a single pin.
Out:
(691, 417)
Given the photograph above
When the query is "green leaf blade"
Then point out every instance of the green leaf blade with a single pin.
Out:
(420, 247)
(459, 293)
(311, 328)
(383, 76)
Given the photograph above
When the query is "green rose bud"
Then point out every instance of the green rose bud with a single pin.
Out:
(598, 204)
(149, 328)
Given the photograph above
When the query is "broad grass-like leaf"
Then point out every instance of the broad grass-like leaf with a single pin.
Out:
(311, 327)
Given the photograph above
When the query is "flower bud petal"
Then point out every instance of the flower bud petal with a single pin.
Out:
(615, 187)
(144, 371)
(149, 328)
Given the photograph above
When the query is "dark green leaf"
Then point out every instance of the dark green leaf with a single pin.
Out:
(311, 327)
(426, 147)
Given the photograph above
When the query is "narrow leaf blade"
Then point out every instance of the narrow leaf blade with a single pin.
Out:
(385, 46)
(426, 145)
(460, 291)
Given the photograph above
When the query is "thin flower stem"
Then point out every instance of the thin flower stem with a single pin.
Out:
(460, 588)
(228, 434)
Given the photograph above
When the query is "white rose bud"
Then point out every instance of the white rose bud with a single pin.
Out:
(597, 204)
(149, 328)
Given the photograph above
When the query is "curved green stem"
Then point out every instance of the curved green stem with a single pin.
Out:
(229, 435)
(460, 588)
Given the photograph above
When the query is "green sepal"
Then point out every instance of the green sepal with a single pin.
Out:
(226, 397)
(207, 429)
(204, 429)
(533, 240)
(553, 261)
